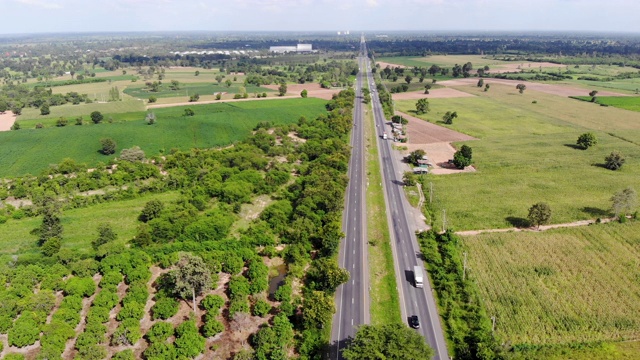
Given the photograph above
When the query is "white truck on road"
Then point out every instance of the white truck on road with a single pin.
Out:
(418, 277)
(384, 136)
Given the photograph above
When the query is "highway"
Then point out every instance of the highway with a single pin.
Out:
(414, 301)
(352, 301)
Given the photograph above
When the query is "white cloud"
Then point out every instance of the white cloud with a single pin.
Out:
(373, 3)
(41, 4)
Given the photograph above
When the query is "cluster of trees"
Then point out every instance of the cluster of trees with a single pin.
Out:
(17, 97)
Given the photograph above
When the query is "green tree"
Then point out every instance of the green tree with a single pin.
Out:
(44, 109)
(228, 82)
(219, 79)
(108, 146)
(624, 201)
(105, 235)
(481, 82)
(466, 151)
(15, 126)
(460, 161)
(408, 79)
(303, 93)
(317, 309)
(97, 117)
(521, 88)
(282, 89)
(194, 98)
(114, 94)
(409, 178)
(449, 116)
(189, 343)
(191, 277)
(390, 341)
(51, 227)
(151, 210)
(614, 161)
(414, 156)
(152, 99)
(188, 112)
(51, 246)
(326, 275)
(197, 72)
(587, 140)
(539, 214)
(422, 106)
(487, 87)
(175, 85)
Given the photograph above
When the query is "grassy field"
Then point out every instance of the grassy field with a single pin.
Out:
(385, 305)
(79, 225)
(623, 102)
(31, 151)
(445, 61)
(526, 154)
(138, 91)
(31, 116)
(561, 286)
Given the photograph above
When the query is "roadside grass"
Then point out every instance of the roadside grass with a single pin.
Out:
(562, 286)
(526, 154)
(33, 150)
(385, 304)
(79, 225)
(622, 102)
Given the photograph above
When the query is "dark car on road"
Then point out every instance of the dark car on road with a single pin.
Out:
(414, 322)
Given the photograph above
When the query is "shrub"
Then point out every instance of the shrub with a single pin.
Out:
(238, 306)
(261, 308)
(587, 140)
(165, 308)
(212, 327)
(112, 278)
(152, 99)
(62, 122)
(25, 331)
(238, 287)
(160, 350)
(124, 355)
(134, 154)
(98, 314)
(212, 303)
(131, 311)
(106, 298)
(189, 343)
(92, 352)
(160, 331)
(233, 264)
(84, 268)
(69, 316)
(137, 292)
(84, 287)
(614, 160)
(13, 356)
(127, 333)
(108, 146)
(96, 117)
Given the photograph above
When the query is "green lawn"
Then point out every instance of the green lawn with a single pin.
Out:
(79, 225)
(526, 154)
(32, 150)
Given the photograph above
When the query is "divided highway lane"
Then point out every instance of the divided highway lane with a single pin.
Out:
(352, 302)
(414, 301)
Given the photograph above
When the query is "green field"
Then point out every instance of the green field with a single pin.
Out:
(121, 215)
(138, 91)
(32, 150)
(526, 154)
(560, 286)
(444, 61)
(623, 102)
(31, 116)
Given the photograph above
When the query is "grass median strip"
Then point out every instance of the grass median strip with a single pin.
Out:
(385, 308)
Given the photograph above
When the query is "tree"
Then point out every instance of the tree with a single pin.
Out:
(114, 94)
(51, 246)
(422, 106)
(16, 110)
(50, 227)
(539, 214)
(44, 109)
(97, 117)
(175, 85)
(487, 87)
(195, 97)
(624, 201)
(150, 118)
(415, 155)
(587, 140)
(219, 79)
(303, 93)
(460, 161)
(188, 112)
(326, 275)
(614, 160)
(135, 154)
(151, 210)
(197, 72)
(521, 88)
(15, 126)
(466, 151)
(593, 93)
(152, 99)
(228, 82)
(317, 310)
(191, 277)
(105, 235)
(3, 106)
(390, 341)
(62, 121)
(408, 79)
(282, 89)
(481, 82)
(449, 116)
(108, 146)
(427, 88)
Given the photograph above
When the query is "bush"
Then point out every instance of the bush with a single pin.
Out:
(92, 352)
(165, 308)
(238, 287)
(189, 343)
(96, 117)
(84, 268)
(124, 355)
(13, 356)
(84, 287)
(212, 327)
(160, 350)
(62, 122)
(587, 140)
(160, 332)
(25, 331)
(112, 278)
(614, 161)
(106, 298)
(134, 154)
(232, 264)
(127, 333)
(131, 311)
(212, 303)
(98, 314)
(261, 308)
(137, 292)
(152, 99)
(108, 146)
(238, 306)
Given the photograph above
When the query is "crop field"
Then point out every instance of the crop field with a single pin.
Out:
(623, 102)
(580, 286)
(32, 150)
(526, 154)
(139, 91)
(444, 60)
(121, 215)
(31, 116)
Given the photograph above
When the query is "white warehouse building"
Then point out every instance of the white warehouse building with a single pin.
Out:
(297, 48)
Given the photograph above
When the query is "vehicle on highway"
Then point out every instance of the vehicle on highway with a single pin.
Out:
(418, 277)
(414, 322)
(384, 136)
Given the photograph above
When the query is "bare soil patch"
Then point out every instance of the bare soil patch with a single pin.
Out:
(7, 119)
(313, 90)
(442, 93)
(560, 90)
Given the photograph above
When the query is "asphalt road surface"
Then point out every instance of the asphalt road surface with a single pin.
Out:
(352, 300)
(414, 301)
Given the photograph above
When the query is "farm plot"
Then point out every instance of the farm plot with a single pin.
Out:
(32, 150)
(526, 154)
(561, 286)
(623, 102)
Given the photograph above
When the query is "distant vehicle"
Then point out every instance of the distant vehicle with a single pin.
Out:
(384, 136)
(414, 322)
(418, 277)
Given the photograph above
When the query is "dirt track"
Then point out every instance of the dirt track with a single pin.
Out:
(560, 90)
(6, 120)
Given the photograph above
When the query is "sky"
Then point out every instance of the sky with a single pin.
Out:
(46, 16)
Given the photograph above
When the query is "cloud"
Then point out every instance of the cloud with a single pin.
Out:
(41, 4)
(373, 3)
